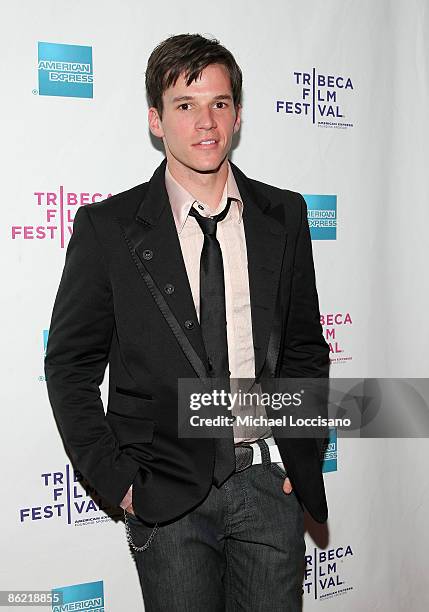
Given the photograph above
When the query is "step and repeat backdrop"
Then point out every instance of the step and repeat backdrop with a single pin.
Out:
(335, 107)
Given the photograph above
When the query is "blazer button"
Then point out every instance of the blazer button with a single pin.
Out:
(147, 254)
(189, 324)
(168, 288)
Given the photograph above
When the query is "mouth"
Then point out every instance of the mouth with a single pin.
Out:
(208, 143)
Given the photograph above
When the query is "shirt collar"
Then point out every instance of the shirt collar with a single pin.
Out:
(181, 200)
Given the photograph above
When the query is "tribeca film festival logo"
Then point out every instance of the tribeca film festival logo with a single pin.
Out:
(331, 323)
(85, 596)
(322, 216)
(324, 575)
(64, 70)
(63, 497)
(58, 210)
(320, 99)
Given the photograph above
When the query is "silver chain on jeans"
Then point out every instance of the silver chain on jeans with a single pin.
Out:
(130, 538)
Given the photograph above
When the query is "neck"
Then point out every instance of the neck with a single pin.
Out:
(206, 187)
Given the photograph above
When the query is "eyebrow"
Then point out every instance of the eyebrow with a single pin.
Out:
(189, 98)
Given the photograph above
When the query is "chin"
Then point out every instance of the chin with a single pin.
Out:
(207, 166)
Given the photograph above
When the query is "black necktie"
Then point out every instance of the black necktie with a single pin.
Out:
(213, 326)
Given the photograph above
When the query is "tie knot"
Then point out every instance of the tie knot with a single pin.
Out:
(209, 224)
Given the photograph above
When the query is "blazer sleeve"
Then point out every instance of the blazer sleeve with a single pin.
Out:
(77, 354)
(306, 352)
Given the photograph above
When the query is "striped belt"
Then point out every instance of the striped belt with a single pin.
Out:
(247, 454)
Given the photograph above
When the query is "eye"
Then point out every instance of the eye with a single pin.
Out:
(184, 104)
(223, 104)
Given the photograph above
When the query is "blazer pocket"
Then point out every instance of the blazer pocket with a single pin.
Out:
(133, 393)
(129, 430)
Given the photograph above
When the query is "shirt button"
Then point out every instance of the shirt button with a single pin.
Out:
(147, 254)
(169, 288)
(189, 324)
(200, 207)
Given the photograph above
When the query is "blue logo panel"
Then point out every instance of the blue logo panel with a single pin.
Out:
(322, 216)
(65, 70)
(87, 596)
(45, 339)
(331, 452)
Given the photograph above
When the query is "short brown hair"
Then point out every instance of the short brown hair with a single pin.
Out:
(187, 54)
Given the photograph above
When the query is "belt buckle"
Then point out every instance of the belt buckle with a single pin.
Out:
(243, 457)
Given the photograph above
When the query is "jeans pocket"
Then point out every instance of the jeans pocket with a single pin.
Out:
(279, 469)
(140, 535)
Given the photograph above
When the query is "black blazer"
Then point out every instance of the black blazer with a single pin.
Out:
(124, 300)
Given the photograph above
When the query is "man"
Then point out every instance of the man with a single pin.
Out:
(199, 273)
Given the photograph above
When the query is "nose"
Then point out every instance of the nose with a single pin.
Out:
(205, 119)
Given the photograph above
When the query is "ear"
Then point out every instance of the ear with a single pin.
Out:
(237, 118)
(155, 123)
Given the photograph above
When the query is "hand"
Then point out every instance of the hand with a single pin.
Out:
(287, 486)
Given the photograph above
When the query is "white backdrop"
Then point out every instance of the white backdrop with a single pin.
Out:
(373, 275)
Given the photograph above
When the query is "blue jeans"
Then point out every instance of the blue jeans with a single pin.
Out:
(242, 549)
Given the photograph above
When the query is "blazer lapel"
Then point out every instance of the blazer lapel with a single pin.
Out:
(155, 247)
(265, 241)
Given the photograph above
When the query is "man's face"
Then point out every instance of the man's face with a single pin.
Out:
(198, 122)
